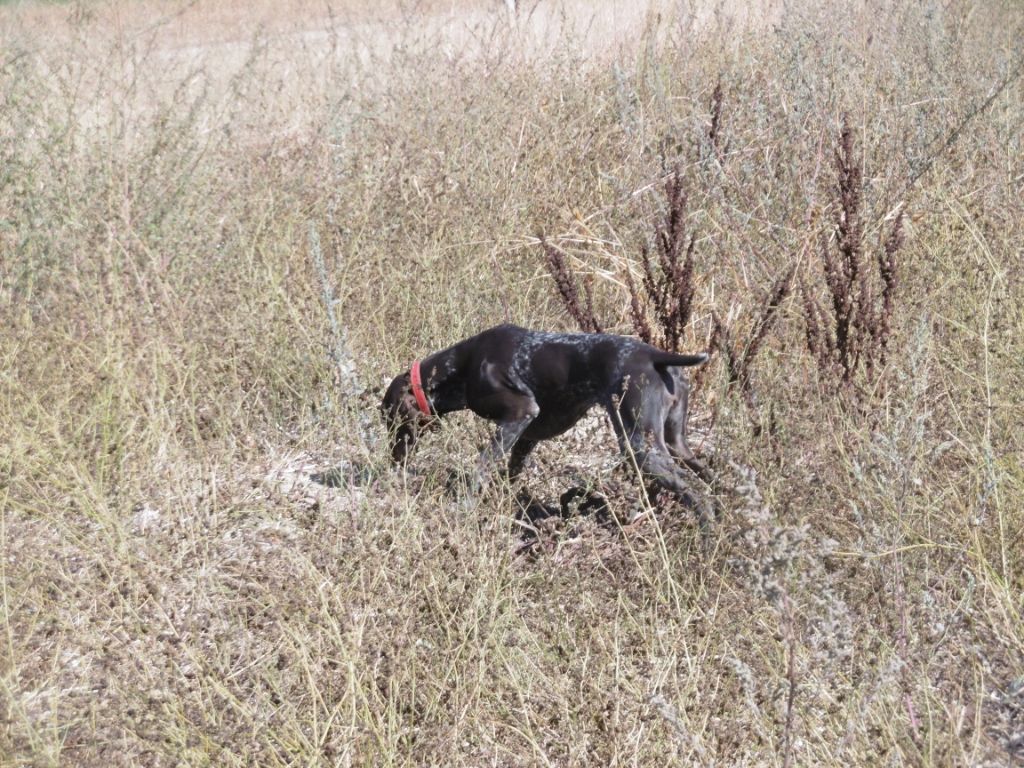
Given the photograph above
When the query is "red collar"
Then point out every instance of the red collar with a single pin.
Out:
(417, 388)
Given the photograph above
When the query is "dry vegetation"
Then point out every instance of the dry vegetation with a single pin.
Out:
(206, 559)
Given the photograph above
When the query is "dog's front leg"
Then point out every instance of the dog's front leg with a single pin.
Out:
(497, 453)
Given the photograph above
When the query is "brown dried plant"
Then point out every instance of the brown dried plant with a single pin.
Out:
(739, 355)
(565, 281)
(666, 287)
(661, 304)
(715, 129)
(667, 281)
(852, 333)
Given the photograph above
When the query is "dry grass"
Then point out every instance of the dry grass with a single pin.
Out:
(206, 559)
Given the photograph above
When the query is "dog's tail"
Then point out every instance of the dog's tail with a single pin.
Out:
(665, 359)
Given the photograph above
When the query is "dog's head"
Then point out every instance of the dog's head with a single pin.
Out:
(402, 416)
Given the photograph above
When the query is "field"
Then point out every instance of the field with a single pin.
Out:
(223, 227)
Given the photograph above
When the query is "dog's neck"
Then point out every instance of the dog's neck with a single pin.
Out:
(444, 381)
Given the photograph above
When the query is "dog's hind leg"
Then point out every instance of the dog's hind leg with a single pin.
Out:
(640, 427)
(675, 431)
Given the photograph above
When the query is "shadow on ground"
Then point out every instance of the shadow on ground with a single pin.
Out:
(345, 475)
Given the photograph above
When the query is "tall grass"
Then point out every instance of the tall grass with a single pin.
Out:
(206, 559)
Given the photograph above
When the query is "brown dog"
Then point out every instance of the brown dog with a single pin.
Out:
(536, 385)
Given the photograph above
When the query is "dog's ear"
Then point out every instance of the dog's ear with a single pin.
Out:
(391, 405)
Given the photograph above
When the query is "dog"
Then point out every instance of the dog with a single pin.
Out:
(535, 385)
